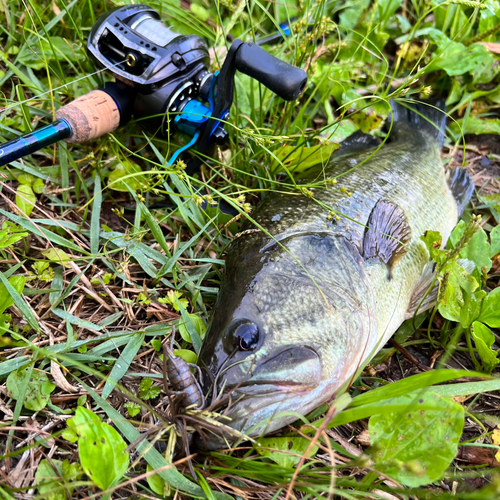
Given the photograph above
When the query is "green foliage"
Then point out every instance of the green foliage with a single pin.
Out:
(158, 484)
(25, 199)
(461, 295)
(6, 300)
(57, 48)
(186, 355)
(57, 256)
(148, 390)
(35, 388)
(127, 175)
(133, 409)
(286, 451)
(174, 298)
(54, 478)
(416, 444)
(102, 451)
(297, 159)
(10, 234)
(41, 271)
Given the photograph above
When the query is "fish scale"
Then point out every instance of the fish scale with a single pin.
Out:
(314, 299)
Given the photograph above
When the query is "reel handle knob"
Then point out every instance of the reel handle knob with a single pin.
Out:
(285, 80)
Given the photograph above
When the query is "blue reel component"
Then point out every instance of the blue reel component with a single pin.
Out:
(193, 116)
(285, 27)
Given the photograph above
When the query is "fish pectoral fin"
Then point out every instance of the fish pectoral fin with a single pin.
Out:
(386, 234)
(423, 285)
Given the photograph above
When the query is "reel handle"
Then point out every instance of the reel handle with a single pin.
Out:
(285, 80)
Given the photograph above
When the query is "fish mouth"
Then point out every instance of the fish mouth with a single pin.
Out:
(253, 414)
(260, 389)
(289, 368)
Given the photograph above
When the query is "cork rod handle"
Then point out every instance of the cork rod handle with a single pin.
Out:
(90, 116)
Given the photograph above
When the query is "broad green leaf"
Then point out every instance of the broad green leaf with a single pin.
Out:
(299, 158)
(475, 125)
(26, 179)
(171, 475)
(495, 241)
(186, 355)
(133, 409)
(81, 419)
(433, 240)
(56, 484)
(128, 174)
(25, 199)
(58, 256)
(6, 300)
(367, 120)
(48, 480)
(35, 55)
(38, 186)
(157, 484)
(455, 289)
(484, 339)
(478, 250)
(339, 131)
(490, 313)
(350, 16)
(409, 327)
(416, 445)
(5, 320)
(285, 451)
(457, 59)
(148, 390)
(38, 389)
(10, 234)
(102, 453)
(192, 329)
(493, 203)
(410, 384)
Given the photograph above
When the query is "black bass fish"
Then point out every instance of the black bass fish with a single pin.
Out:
(307, 299)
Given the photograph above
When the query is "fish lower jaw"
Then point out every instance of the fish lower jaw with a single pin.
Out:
(264, 388)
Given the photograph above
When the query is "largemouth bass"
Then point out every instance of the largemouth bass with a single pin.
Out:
(307, 299)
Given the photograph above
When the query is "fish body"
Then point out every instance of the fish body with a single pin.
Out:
(308, 299)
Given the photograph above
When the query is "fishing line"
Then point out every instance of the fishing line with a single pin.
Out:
(3, 110)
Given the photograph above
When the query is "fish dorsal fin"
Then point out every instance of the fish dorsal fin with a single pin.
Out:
(358, 141)
(461, 186)
(386, 234)
(421, 290)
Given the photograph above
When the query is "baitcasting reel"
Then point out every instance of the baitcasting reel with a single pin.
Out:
(162, 78)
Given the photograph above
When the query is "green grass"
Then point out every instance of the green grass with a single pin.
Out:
(87, 281)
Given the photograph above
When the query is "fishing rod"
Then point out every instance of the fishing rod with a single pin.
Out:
(162, 78)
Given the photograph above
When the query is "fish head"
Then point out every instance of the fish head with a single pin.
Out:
(283, 336)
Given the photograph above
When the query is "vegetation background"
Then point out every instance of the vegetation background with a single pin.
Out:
(92, 278)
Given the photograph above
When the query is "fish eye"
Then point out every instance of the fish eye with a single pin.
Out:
(242, 335)
(246, 336)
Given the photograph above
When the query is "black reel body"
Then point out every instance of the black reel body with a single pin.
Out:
(163, 78)
(162, 66)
